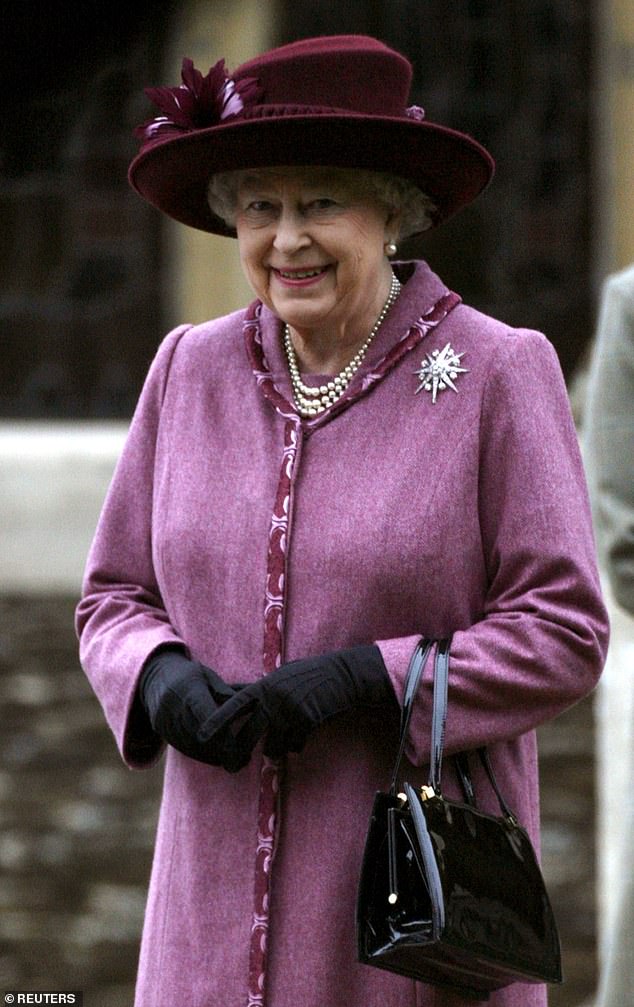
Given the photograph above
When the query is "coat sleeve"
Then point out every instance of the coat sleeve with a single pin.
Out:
(540, 643)
(609, 435)
(121, 619)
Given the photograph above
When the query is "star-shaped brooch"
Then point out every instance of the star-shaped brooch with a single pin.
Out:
(439, 371)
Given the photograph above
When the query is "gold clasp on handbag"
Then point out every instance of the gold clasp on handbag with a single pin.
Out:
(427, 793)
(402, 798)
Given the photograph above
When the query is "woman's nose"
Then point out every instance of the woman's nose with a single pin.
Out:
(291, 233)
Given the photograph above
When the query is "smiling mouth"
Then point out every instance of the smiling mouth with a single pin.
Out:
(301, 274)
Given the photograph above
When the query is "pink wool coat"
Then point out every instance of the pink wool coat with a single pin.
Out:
(254, 537)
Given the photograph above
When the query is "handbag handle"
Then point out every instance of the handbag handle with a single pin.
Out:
(414, 672)
(439, 712)
(439, 719)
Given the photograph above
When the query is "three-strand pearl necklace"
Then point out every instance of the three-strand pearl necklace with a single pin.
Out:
(310, 401)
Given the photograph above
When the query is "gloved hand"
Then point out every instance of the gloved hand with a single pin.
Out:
(290, 702)
(181, 697)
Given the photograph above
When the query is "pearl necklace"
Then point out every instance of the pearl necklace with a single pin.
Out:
(310, 400)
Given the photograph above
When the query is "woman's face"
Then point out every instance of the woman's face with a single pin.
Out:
(312, 247)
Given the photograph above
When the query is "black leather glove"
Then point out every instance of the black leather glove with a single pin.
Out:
(181, 697)
(290, 702)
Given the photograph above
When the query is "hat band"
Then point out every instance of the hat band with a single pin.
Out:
(277, 111)
(280, 111)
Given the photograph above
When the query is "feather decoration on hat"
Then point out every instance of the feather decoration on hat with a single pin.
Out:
(198, 103)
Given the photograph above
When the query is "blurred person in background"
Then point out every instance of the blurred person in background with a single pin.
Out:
(309, 485)
(609, 455)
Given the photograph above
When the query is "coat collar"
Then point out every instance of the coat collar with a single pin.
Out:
(423, 303)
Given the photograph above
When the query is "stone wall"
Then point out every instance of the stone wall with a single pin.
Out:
(77, 827)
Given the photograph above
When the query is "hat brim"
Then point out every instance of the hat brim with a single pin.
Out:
(450, 167)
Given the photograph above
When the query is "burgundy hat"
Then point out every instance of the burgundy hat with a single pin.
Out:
(339, 101)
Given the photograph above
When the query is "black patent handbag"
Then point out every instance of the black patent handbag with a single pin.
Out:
(449, 895)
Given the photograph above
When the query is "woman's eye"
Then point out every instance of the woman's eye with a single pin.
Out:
(259, 206)
(323, 203)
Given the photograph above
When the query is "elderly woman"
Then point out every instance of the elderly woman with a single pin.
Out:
(309, 485)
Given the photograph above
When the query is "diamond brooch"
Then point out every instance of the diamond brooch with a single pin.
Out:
(439, 370)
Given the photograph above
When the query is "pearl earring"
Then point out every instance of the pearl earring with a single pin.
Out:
(391, 248)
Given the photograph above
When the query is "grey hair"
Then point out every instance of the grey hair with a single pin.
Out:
(396, 194)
